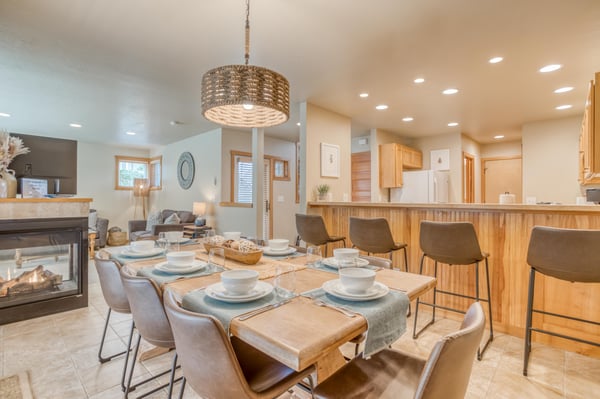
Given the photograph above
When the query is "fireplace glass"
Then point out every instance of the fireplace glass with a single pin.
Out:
(42, 269)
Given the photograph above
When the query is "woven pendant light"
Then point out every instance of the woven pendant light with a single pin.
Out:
(245, 95)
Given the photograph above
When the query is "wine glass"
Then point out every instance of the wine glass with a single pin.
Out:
(313, 256)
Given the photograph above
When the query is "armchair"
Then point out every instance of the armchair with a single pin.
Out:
(99, 226)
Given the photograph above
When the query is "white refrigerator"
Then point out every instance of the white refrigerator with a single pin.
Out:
(422, 186)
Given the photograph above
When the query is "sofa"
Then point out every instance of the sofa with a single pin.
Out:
(99, 226)
(159, 221)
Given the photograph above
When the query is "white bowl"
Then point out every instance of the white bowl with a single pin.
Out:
(341, 254)
(180, 258)
(356, 280)
(173, 236)
(142, 245)
(279, 244)
(232, 235)
(240, 281)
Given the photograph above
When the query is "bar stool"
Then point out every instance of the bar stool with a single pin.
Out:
(453, 243)
(565, 254)
(375, 237)
(311, 229)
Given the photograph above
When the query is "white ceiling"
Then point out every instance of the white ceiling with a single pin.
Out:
(118, 65)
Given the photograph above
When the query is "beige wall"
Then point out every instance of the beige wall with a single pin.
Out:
(322, 126)
(551, 159)
(501, 149)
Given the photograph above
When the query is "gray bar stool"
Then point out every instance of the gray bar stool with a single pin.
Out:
(311, 229)
(375, 237)
(565, 254)
(453, 243)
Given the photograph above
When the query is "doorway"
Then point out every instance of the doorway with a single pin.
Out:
(499, 176)
(468, 178)
(361, 176)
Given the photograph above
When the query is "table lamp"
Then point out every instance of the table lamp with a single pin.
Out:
(198, 209)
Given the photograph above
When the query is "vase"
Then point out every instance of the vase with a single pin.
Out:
(11, 180)
(3, 187)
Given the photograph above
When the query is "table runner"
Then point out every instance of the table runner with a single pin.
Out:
(265, 267)
(161, 277)
(386, 316)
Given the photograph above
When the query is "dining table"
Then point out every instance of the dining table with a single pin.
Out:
(298, 332)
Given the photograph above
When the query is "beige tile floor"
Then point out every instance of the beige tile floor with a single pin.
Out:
(59, 351)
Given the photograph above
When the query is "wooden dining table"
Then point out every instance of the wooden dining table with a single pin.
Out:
(298, 333)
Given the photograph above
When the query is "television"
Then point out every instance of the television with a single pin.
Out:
(50, 159)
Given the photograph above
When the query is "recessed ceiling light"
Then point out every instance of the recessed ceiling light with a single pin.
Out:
(563, 89)
(419, 80)
(499, 136)
(4, 114)
(130, 133)
(408, 119)
(495, 60)
(363, 95)
(452, 124)
(381, 107)
(550, 68)
(450, 91)
(566, 106)
(298, 124)
(74, 125)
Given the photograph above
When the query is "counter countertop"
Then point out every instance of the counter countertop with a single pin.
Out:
(34, 200)
(475, 207)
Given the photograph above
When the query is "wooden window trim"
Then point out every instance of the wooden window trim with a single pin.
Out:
(235, 153)
(147, 161)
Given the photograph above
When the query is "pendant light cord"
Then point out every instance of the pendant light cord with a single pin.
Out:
(247, 54)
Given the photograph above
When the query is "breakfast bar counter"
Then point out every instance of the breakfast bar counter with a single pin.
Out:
(503, 232)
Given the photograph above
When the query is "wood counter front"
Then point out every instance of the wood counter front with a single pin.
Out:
(503, 232)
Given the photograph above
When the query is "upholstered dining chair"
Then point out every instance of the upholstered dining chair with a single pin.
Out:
(311, 229)
(453, 243)
(374, 236)
(396, 375)
(116, 299)
(565, 254)
(219, 366)
(145, 299)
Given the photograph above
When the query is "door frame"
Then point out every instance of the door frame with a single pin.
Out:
(468, 178)
(483, 160)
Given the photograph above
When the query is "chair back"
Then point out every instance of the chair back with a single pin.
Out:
(377, 261)
(111, 285)
(311, 229)
(207, 357)
(448, 369)
(567, 254)
(453, 243)
(371, 235)
(145, 299)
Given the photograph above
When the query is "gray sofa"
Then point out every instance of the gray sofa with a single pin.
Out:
(138, 230)
(100, 227)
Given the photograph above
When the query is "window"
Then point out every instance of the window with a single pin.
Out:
(243, 179)
(130, 168)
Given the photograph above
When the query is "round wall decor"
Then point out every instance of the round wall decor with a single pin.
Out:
(185, 170)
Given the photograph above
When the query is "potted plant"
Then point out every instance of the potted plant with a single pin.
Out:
(322, 190)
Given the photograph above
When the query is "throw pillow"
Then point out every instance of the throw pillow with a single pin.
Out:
(186, 217)
(153, 219)
(92, 220)
(173, 219)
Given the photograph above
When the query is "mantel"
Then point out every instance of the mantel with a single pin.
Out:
(34, 208)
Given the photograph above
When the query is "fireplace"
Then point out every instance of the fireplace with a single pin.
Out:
(43, 266)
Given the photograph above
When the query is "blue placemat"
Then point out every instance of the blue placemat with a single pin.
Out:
(124, 259)
(198, 301)
(161, 277)
(386, 316)
(325, 268)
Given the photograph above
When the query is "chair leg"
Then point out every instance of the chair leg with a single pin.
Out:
(489, 296)
(127, 356)
(183, 381)
(405, 260)
(415, 332)
(128, 387)
(106, 359)
(527, 351)
(173, 368)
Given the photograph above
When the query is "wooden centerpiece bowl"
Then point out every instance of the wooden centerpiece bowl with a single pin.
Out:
(248, 258)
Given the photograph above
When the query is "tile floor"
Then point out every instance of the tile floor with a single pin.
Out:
(60, 353)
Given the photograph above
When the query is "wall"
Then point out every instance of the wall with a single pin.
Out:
(551, 159)
(501, 149)
(322, 126)
(96, 179)
(453, 142)
(283, 203)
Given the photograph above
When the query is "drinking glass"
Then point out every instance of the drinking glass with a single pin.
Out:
(209, 235)
(172, 246)
(162, 241)
(285, 281)
(216, 257)
(313, 256)
(347, 262)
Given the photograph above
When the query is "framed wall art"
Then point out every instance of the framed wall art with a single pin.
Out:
(330, 160)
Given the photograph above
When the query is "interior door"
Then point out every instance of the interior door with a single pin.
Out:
(361, 176)
(268, 214)
(501, 175)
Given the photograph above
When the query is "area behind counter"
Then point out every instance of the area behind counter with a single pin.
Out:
(503, 232)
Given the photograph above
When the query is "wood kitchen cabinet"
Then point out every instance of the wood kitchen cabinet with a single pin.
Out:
(393, 159)
(589, 139)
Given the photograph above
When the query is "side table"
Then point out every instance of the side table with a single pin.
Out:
(193, 231)
(91, 244)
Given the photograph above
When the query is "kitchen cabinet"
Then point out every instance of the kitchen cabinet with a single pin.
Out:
(589, 139)
(394, 158)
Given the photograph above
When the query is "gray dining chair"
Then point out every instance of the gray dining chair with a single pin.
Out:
(565, 254)
(391, 374)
